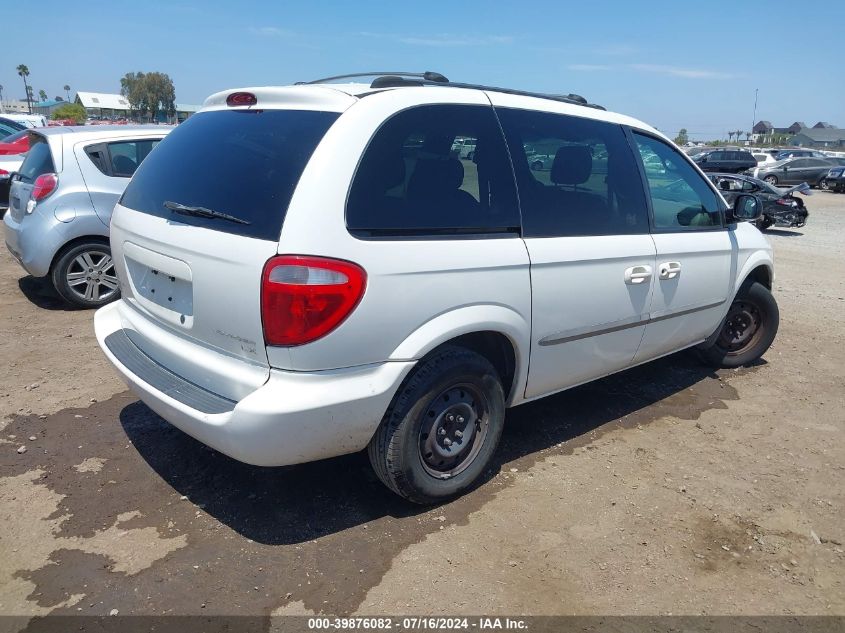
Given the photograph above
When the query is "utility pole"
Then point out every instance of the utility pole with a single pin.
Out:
(754, 116)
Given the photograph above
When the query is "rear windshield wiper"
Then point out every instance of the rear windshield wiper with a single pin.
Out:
(202, 212)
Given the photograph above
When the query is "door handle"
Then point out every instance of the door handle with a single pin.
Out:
(670, 270)
(636, 275)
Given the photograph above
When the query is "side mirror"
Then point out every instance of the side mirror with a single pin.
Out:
(747, 208)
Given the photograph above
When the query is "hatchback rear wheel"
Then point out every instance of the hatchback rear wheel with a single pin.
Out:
(442, 428)
(84, 275)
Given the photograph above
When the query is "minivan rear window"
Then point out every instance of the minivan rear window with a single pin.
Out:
(242, 163)
(38, 160)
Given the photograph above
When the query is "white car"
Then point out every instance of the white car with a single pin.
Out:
(29, 120)
(308, 271)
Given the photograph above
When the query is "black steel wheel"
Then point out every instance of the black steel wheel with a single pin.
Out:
(747, 331)
(442, 428)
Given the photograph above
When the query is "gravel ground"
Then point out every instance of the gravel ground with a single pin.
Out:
(665, 489)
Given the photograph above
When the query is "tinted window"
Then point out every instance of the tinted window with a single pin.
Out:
(576, 176)
(439, 169)
(97, 154)
(680, 198)
(244, 163)
(799, 162)
(125, 156)
(16, 136)
(715, 156)
(818, 162)
(38, 160)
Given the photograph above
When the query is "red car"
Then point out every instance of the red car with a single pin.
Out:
(17, 143)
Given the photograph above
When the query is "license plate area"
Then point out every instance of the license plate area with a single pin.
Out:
(163, 289)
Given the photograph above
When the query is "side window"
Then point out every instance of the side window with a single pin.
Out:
(681, 200)
(437, 169)
(575, 176)
(799, 163)
(125, 156)
(98, 155)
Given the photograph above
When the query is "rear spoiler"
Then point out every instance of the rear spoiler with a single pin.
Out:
(803, 188)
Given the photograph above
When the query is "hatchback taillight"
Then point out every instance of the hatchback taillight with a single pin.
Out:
(44, 185)
(304, 298)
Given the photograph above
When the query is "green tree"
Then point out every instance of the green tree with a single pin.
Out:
(66, 88)
(73, 111)
(682, 138)
(23, 73)
(42, 95)
(149, 93)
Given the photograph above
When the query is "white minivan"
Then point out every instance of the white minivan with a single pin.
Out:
(311, 270)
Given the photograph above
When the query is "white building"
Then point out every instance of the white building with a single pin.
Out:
(100, 104)
(14, 107)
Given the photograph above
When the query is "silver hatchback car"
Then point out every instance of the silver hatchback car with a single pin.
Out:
(61, 201)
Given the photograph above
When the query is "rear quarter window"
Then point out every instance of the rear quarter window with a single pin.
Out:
(38, 161)
(244, 163)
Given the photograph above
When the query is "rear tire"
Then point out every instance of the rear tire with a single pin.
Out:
(441, 429)
(747, 331)
(772, 180)
(84, 275)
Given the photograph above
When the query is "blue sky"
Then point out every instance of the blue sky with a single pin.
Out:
(673, 64)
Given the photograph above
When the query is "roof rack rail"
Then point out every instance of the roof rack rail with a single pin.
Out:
(430, 78)
(397, 81)
(426, 76)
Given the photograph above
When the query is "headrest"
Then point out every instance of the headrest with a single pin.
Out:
(433, 176)
(573, 165)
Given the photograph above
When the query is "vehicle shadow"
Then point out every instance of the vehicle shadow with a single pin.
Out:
(41, 293)
(300, 503)
(782, 233)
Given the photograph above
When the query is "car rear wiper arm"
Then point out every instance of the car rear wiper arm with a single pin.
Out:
(202, 212)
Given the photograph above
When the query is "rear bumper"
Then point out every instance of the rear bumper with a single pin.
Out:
(292, 418)
(33, 241)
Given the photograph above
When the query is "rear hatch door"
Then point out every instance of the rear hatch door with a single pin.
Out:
(198, 221)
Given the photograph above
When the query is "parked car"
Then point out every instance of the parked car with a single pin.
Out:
(27, 120)
(835, 179)
(781, 207)
(9, 164)
(17, 143)
(798, 153)
(464, 148)
(763, 158)
(725, 161)
(793, 171)
(61, 201)
(9, 127)
(301, 282)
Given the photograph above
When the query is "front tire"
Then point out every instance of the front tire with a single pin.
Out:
(84, 275)
(824, 185)
(442, 428)
(747, 331)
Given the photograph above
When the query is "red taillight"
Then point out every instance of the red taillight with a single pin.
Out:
(44, 185)
(785, 202)
(241, 99)
(3, 172)
(304, 298)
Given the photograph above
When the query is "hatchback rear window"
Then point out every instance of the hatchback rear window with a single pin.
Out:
(242, 163)
(38, 160)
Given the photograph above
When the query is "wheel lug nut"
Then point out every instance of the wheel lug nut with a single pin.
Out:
(447, 442)
(441, 432)
(461, 419)
(450, 417)
(459, 433)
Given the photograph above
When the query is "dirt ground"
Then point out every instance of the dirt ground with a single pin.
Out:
(664, 489)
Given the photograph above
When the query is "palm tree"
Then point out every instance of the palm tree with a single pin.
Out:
(730, 136)
(23, 72)
(42, 95)
(1, 96)
(66, 88)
